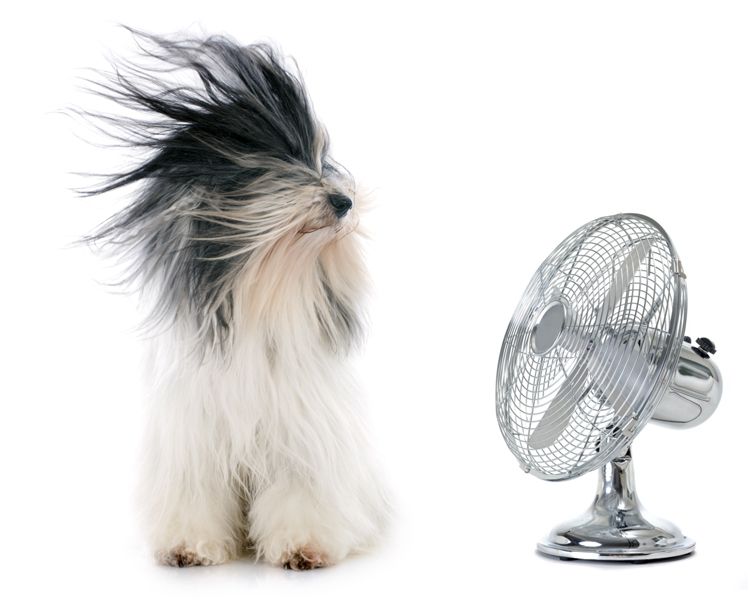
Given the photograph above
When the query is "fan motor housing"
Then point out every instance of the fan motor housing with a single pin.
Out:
(694, 393)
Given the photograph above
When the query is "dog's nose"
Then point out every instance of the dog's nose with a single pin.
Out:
(341, 204)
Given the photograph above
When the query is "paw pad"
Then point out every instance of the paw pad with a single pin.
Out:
(304, 560)
(181, 557)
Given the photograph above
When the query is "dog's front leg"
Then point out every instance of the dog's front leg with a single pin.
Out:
(292, 527)
(324, 499)
(191, 505)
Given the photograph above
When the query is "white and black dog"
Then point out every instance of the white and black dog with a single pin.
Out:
(243, 238)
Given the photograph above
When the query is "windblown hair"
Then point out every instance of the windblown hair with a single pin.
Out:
(243, 232)
(232, 157)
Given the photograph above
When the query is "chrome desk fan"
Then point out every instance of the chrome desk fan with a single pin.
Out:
(595, 350)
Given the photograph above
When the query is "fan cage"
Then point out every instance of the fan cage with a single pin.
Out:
(648, 320)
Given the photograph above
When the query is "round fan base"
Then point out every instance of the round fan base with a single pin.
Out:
(615, 528)
(635, 545)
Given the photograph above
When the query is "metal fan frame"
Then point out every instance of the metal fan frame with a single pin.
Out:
(659, 382)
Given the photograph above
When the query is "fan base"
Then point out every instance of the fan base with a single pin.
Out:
(633, 544)
(614, 528)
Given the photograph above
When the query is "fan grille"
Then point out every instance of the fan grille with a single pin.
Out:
(635, 337)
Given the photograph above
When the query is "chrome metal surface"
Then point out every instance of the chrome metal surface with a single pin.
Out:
(548, 327)
(615, 528)
(694, 393)
(576, 384)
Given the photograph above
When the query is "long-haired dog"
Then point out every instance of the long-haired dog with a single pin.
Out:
(243, 238)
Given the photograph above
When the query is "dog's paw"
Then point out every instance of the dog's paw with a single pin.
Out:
(304, 559)
(185, 557)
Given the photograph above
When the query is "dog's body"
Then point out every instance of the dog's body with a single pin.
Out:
(244, 238)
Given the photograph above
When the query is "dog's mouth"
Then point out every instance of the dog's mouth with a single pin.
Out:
(336, 225)
(310, 229)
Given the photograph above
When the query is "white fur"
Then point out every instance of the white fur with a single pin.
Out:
(263, 444)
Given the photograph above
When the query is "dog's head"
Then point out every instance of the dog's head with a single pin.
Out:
(238, 178)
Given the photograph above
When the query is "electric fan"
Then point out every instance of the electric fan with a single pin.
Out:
(596, 349)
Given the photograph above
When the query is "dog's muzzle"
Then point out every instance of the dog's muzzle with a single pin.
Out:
(341, 204)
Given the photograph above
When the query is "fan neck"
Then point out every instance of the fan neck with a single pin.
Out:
(616, 492)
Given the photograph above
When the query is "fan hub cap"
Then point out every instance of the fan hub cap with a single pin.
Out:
(548, 327)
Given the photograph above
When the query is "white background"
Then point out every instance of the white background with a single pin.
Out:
(485, 135)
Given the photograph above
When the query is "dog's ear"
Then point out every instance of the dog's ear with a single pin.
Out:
(244, 119)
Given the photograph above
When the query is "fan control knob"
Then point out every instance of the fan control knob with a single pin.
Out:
(706, 345)
(701, 352)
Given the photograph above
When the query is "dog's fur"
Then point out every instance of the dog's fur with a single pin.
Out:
(239, 240)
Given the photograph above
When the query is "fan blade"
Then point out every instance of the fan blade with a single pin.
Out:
(624, 275)
(560, 409)
(627, 369)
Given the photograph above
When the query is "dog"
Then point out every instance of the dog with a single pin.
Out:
(243, 239)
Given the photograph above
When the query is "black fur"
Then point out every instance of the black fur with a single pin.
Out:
(210, 143)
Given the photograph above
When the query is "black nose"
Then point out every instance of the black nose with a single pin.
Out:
(341, 204)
